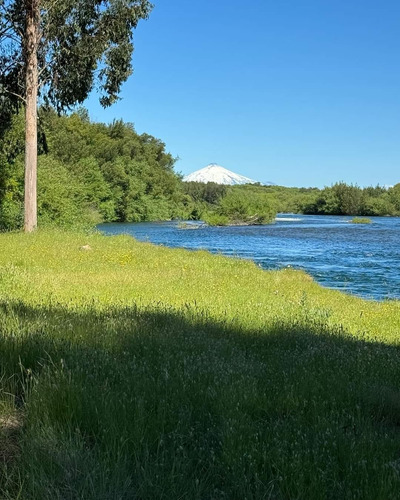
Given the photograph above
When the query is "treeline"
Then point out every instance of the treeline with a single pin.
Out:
(93, 172)
(339, 199)
(89, 173)
(344, 199)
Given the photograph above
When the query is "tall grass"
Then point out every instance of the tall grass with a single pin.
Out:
(140, 372)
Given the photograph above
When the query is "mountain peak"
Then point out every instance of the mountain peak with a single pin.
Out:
(220, 175)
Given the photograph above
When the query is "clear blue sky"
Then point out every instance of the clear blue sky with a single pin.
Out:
(297, 92)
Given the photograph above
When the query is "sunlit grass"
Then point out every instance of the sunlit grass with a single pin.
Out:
(135, 371)
(361, 220)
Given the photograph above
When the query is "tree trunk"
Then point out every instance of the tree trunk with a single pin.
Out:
(32, 31)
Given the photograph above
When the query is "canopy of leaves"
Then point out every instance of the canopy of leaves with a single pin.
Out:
(91, 172)
(344, 199)
(81, 43)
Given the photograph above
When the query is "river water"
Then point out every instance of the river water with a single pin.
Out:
(362, 259)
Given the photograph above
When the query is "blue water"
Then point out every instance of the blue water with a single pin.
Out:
(362, 259)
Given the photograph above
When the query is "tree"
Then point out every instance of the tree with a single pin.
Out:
(89, 172)
(349, 198)
(58, 51)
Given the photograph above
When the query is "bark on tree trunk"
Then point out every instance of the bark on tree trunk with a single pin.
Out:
(32, 30)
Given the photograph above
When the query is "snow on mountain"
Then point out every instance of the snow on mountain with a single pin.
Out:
(219, 175)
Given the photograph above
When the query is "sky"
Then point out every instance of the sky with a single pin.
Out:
(294, 92)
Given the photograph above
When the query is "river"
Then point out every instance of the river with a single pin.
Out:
(362, 259)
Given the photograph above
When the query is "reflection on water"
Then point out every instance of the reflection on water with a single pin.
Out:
(360, 259)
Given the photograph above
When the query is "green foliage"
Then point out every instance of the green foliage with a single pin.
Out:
(111, 173)
(11, 175)
(241, 207)
(91, 172)
(349, 199)
(215, 219)
(394, 197)
(62, 198)
(378, 206)
(209, 192)
(11, 214)
(97, 193)
(361, 220)
(134, 176)
(223, 205)
(76, 38)
(339, 199)
(343, 199)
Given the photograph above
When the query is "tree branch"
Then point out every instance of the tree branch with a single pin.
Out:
(15, 95)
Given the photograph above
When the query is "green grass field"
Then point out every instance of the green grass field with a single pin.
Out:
(130, 371)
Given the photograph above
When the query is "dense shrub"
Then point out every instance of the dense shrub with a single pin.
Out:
(90, 172)
(236, 207)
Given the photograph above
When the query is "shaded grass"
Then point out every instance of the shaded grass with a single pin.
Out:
(144, 372)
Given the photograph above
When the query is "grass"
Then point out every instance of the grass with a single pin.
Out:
(130, 371)
(361, 220)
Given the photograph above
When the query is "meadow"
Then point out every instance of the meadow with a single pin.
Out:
(130, 371)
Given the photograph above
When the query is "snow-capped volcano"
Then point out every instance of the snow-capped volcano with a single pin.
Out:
(219, 175)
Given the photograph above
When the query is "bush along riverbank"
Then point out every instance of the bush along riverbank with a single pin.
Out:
(135, 371)
(238, 209)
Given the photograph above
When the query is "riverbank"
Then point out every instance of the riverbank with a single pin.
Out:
(357, 258)
(135, 371)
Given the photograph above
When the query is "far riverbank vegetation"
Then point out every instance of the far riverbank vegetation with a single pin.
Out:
(92, 172)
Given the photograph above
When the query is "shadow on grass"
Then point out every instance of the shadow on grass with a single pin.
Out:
(154, 404)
